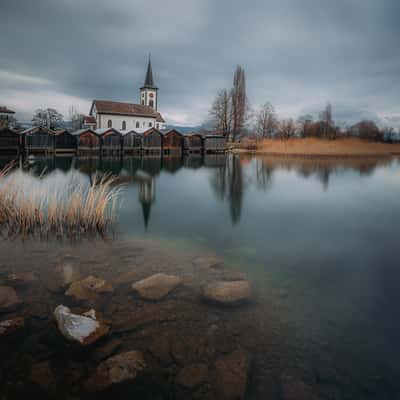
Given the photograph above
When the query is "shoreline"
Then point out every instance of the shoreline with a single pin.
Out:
(312, 155)
(319, 148)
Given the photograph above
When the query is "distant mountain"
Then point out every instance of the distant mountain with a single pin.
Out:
(186, 129)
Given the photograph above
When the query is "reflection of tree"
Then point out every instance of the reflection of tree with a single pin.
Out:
(235, 179)
(264, 173)
(147, 196)
(323, 175)
(227, 182)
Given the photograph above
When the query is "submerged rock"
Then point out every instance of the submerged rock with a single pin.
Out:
(294, 388)
(8, 298)
(85, 328)
(192, 375)
(68, 272)
(20, 278)
(207, 262)
(156, 286)
(120, 368)
(227, 292)
(89, 288)
(231, 375)
(42, 375)
(11, 326)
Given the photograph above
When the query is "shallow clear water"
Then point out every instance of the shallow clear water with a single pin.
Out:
(318, 239)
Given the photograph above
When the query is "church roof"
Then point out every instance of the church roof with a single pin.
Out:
(129, 109)
(149, 81)
(89, 120)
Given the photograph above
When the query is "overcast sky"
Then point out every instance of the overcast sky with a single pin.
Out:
(297, 54)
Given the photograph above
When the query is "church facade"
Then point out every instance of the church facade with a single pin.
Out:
(130, 116)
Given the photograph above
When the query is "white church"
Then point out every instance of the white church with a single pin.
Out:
(129, 116)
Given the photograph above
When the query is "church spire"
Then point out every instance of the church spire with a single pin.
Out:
(148, 92)
(149, 82)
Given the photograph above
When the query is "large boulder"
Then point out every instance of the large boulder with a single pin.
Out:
(10, 326)
(90, 288)
(192, 375)
(8, 298)
(120, 368)
(227, 292)
(84, 329)
(156, 286)
(231, 375)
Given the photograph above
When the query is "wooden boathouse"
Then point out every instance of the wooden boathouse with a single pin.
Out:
(10, 141)
(173, 143)
(64, 142)
(152, 142)
(131, 142)
(38, 140)
(214, 144)
(111, 141)
(88, 142)
(193, 144)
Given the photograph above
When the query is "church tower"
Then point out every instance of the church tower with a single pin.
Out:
(148, 92)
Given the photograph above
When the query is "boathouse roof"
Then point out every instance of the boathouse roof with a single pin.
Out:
(5, 110)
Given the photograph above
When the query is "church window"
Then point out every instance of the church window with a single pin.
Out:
(150, 124)
(123, 125)
(109, 123)
(151, 103)
(137, 124)
(158, 125)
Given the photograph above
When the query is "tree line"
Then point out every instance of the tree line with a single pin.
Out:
(232, 116)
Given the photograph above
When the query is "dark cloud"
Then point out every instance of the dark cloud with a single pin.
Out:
(297, 54)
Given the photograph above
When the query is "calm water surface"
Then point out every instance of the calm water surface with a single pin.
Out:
(317, 238)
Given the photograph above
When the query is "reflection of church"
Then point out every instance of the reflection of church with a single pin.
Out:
(147, 196)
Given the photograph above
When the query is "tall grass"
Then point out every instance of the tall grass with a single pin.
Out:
(73, 209)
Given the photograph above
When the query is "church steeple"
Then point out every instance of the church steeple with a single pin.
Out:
(149, 82)
(148, 92)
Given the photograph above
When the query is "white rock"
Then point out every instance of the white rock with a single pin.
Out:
(84, 328)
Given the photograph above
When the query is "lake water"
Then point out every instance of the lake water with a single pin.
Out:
(318, 240)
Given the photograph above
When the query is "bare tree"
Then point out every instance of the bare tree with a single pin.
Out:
(305, 123)
(77, 119)
(221, 112)
(47, 118)
(286, 129)
(367, 130)
(266, 120)
(239, 102)
(328, 129)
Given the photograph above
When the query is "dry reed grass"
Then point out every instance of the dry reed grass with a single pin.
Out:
(74, 210)
(346, 147)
